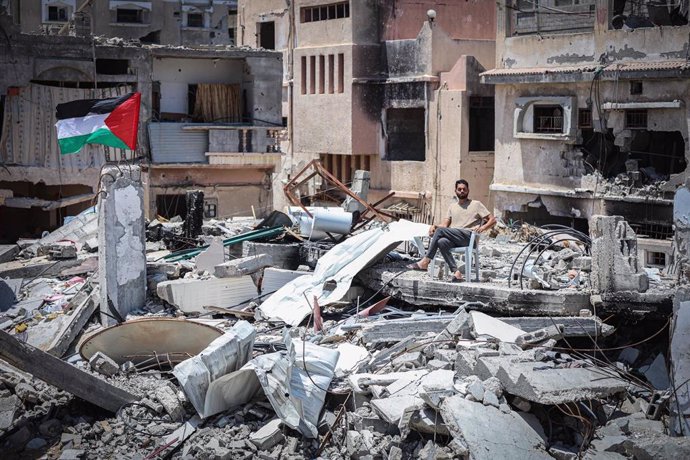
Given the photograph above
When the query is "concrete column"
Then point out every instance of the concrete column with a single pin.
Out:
(614, 256)
(121, 243)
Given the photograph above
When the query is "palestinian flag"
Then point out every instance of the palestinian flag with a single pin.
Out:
(112, 122)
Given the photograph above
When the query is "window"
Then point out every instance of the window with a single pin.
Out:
(325, 12)
(112, 66)
(656, 258)
(341, 73)
(584, 118)
(57, 14)
(545, 117)
(322, 74)
(304, 75)
(481, 124)
(126, 15)
(635, 87)
(636, 119)
(548, 119)
(405, 139)
(267, 35)
(331, 73)
(195, 20)
(312, 74)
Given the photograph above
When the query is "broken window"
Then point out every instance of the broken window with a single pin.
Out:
(267, 35)
(325, 12)
(481, 124)
(195, 20)
(633, 14)
(405, 139)
(656, 259)
(635, 87)
(584, 118)
(57, 14)
(112, 66)
(551, 16)
(129, 15)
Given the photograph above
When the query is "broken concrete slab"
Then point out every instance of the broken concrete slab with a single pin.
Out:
(419, 290)
(8, 411)
(538, 382)
(42, 266)
(192, 295)
(9, 290)
(397, 329)
(657, 373)
(79, 229)
(78, 311)
(268, 435)
(490, 434)
(485, 325)
(8, 252)
(275, 278)
(243, 266)
(212, 256)
(101, 363)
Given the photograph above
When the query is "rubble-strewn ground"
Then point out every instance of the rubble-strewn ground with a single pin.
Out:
(447, 381)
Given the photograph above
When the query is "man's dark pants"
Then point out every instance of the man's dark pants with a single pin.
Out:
(446, 239)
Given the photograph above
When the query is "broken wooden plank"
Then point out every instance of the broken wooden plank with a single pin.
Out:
(63, 375)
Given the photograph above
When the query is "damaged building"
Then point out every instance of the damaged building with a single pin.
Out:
(164, 22)
(210, 122)
(162, 303)
(596, 122)
(396, 89)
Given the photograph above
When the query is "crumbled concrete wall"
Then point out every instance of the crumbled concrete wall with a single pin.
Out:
(614, 256)
(680, 265)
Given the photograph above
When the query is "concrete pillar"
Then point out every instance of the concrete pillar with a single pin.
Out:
(121, 243)
(679, 352)
(615, 265)
(195, 213)
(680, 265)
(360, 187)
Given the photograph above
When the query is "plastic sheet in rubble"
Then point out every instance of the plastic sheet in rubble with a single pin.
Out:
(340, 265)
(295, 383)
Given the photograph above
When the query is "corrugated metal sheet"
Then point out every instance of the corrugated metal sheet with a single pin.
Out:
(170, 144)
(30, 137)
(539, 70)
(635, 66)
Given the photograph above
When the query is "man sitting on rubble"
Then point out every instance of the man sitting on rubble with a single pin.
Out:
(464, 217)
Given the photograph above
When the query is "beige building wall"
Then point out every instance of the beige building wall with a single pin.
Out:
(551, 171)
(165, 20)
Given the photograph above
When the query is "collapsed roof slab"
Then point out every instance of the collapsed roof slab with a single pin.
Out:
(419, 290)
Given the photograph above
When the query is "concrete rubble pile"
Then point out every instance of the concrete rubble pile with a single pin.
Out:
(236, 339)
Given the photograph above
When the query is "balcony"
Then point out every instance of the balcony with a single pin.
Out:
(228, 146)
